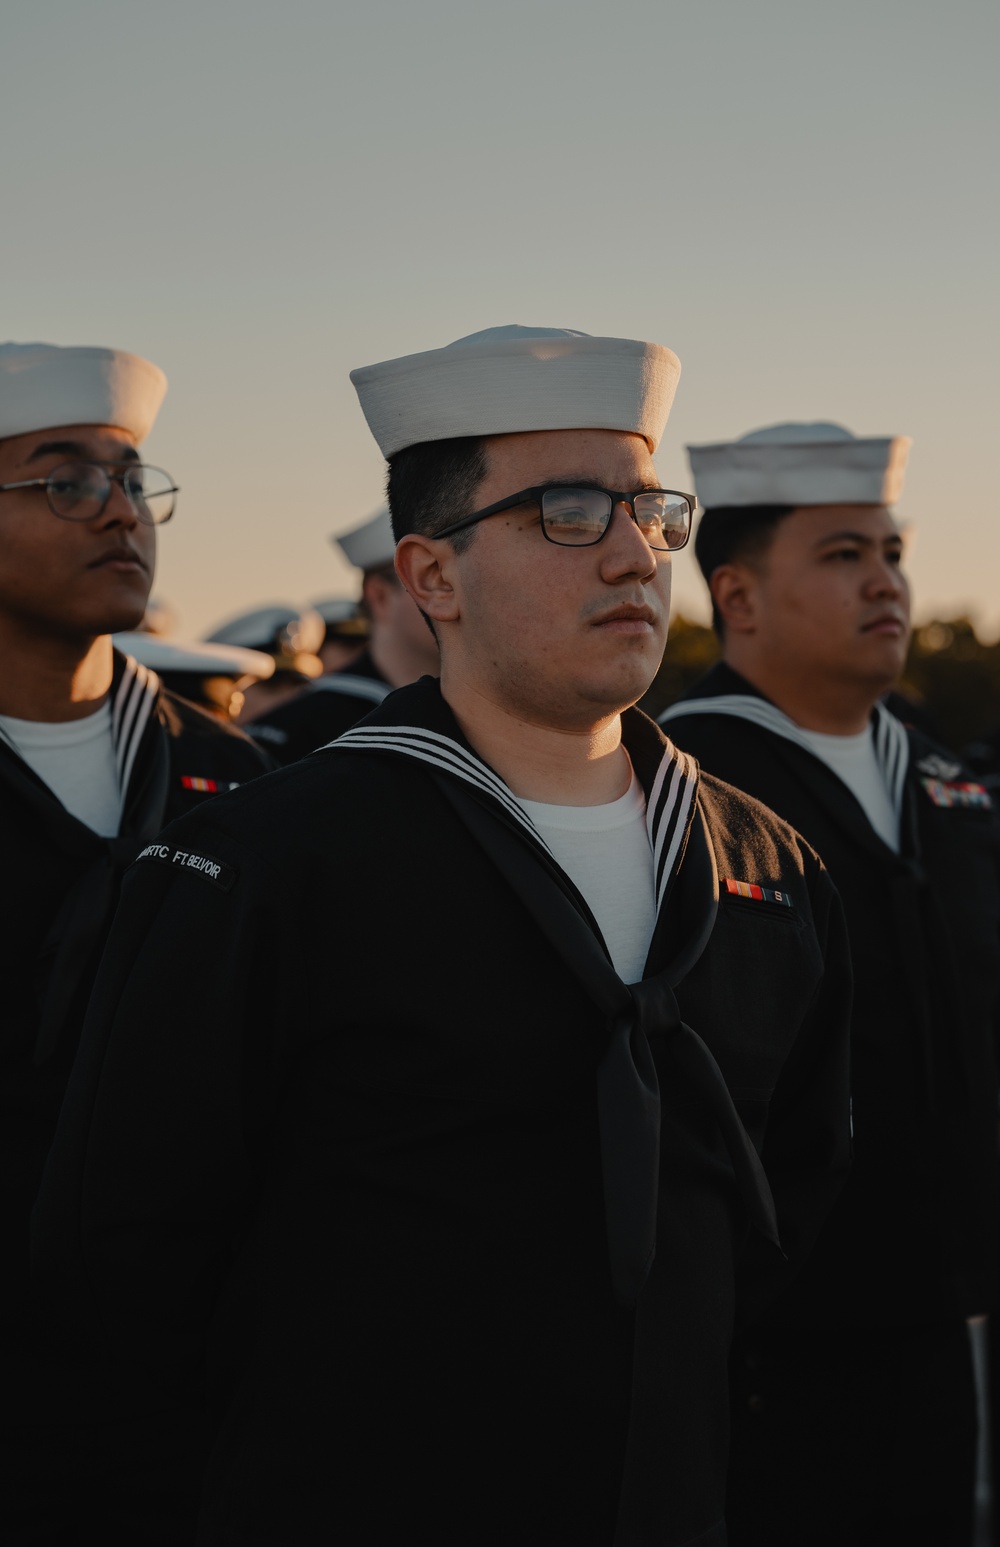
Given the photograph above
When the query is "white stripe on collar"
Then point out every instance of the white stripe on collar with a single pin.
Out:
(441, 751)
(667, 810)
(668, 804)
(892, 745)
(134, 702)
(892, 748)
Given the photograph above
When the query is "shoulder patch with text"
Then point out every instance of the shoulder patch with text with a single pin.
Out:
(204, 865)
(756, 893)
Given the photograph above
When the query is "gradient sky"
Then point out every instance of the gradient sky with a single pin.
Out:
(798, 198)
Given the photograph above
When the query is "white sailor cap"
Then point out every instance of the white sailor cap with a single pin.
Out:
(512, 378)
(43, 386)
(370, 545)
(210, 660)
(800, 464)
(278, 628)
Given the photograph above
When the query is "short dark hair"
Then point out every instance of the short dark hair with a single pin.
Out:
(431, 485)
(729, 533)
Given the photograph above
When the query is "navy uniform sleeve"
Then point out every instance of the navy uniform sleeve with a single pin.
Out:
(196, 1015)
(807, 1142)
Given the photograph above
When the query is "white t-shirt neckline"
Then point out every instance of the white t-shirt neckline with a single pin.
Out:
(606, 853)
(611, 814)
(76, 759)
(855, 762)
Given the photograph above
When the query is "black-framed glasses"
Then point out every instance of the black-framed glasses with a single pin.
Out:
(79, 491)
(579, 517)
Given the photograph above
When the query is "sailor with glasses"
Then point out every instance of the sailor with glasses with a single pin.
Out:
(431, 1197)
(94, 756)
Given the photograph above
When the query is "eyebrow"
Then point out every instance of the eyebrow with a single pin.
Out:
(859, 537)
(75, 448)
(594, 483)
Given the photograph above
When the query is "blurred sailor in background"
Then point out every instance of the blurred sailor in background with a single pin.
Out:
(348, 627)
(853, 1403)
(215, 677)
(291, 636)
(400, 649)
(94, 755)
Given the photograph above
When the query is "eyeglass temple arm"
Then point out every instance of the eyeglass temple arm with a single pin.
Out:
(524, 497)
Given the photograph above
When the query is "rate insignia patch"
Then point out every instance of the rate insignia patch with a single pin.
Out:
(939, 767)
(757, 893)
(205, 865)
(946, 792)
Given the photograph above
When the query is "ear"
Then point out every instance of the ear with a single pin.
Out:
(734, 592)
(426, 567)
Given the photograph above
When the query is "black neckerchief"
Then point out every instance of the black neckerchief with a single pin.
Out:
(417, 723)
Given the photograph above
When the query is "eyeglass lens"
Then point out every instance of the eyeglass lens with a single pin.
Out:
(79, 491)
(576, 517)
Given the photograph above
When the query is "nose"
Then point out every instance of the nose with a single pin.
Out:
(119, 511)
(886, 579)
(625, 553)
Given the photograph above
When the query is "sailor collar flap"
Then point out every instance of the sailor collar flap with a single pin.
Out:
(142, 760)
(135, 691)
(742, 702)
(134, 698)
(430, 734)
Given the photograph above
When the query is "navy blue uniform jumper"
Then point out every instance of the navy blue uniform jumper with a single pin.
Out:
(370, 1200)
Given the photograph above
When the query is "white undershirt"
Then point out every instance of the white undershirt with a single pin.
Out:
(853, 760)
(76, 759)
(605, 851)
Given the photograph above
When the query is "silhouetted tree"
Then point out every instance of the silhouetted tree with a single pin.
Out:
(691, 650)
(957, 676)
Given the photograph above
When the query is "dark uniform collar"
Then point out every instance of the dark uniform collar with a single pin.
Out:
(135, 700)
(725, 691)
(722, 678)
(417, 722)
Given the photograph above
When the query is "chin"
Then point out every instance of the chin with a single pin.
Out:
(877, 677)
(123, 618)
(614, 695)
(889, 660)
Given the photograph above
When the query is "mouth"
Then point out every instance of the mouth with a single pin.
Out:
(122, 560)
(626, 618)
(889, 625)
